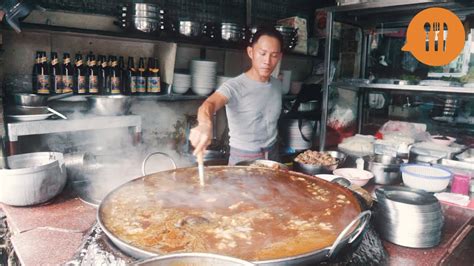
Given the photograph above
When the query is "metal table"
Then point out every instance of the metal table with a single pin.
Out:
(19, 129)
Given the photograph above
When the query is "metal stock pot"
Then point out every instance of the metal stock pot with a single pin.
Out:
(127, 210)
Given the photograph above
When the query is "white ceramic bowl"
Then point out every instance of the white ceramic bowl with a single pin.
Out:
(356, 176)
(202, 91)
(428, 178)
(180, 90)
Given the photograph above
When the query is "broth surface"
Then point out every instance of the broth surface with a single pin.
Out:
(248, 213)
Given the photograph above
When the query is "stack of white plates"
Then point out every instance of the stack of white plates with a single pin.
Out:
(203, 76)
(294, 137)
(181, 83)
(409, 217)
(221, 80)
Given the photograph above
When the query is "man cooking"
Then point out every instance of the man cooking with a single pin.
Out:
(253, 104)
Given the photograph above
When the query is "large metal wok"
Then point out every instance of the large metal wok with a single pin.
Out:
(141, 192)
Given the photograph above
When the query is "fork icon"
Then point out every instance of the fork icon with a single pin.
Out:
(439, 41)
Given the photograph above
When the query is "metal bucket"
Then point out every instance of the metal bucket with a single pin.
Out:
(33, 178)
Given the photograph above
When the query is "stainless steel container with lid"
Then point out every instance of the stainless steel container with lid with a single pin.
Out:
(231, 32)
(33, 178)
(385, 168)
(189, 28)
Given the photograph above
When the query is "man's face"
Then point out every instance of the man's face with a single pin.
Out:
(265, 55)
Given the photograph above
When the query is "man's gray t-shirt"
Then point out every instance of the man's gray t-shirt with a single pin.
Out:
(252, 109)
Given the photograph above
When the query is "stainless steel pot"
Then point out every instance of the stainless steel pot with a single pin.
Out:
(231, 32)
(189, 28)
(141, 7)
(145, 24)
(33, 178)
(386, 169)
(308, 106)
(193, 259)
(352, 231)
(110, 105)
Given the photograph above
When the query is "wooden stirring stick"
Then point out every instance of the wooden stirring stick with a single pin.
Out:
(200, 162)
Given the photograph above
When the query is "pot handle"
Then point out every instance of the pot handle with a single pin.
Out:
(364, 218)
(155, 153)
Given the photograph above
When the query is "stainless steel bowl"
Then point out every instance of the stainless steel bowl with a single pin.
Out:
(264, 163)
(29, 99)
(109, 105)
(311, 169)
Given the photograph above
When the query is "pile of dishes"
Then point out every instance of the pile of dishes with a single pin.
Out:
(203, 76)
(409, 217)
(181, 83)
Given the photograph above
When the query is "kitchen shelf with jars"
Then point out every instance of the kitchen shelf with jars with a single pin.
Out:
(391, 84)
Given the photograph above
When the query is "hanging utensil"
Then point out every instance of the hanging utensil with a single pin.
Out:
(60, 96)
(56, 113)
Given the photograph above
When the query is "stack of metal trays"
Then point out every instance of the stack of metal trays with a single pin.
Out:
(409, 217)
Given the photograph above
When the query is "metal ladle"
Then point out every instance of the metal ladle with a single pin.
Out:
(56, 113)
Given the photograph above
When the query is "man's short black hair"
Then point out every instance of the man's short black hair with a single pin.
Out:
(267, 31)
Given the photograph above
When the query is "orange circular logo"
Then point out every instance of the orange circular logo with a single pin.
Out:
(435, 36)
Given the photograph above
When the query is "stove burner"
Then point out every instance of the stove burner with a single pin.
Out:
(97, 249)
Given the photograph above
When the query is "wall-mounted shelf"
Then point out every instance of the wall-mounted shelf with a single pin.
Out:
(169, 97)
(433, 89)
(19, 129)
(396, 13)
(140, 37)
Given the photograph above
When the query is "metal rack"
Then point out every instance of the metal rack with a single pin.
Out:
(397, 13)
(19, 129)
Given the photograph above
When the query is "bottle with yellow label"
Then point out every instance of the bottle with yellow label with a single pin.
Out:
(56, 79)
(115, 76)
(67, 74)
(102, 68)
(92, 75)
(153, 78)
(80, 85)
(36, 71)
(131, 78)
(43, 76)
(141, 77)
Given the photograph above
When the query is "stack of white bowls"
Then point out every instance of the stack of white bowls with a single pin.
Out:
(293, 136)
(221, 80)
(181, 83)
(408, 217)
(203, 76)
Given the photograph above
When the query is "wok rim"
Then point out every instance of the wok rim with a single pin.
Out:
(149, 254)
